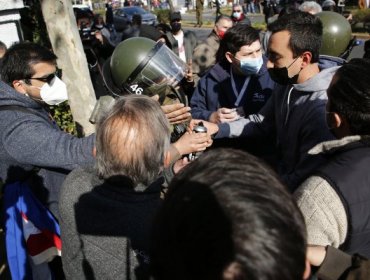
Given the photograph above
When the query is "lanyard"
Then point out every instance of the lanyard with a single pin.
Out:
(238, 95)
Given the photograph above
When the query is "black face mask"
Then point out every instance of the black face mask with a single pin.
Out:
(176, 26)
(280, 75)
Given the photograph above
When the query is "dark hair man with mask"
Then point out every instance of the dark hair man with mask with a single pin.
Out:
(295, 114)
(32, 146)
(181, 42)
(238, 85)
(335, 200)
(204, 55)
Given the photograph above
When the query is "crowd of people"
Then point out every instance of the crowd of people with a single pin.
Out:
(274, 186)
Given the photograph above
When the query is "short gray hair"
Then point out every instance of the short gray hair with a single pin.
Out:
(310, 7)
(221, 18)
(237, 5)
(131, 140)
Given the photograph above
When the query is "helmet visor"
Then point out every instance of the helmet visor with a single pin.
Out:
(162, 68)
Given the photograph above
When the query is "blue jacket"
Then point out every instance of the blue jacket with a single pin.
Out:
(215, 91)
(33, 147)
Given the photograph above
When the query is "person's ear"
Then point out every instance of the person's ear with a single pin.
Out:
(232, 270)
(167, 159)
(155, 97)
(18, 85)
(94, 152)
(307, 270)
(229, 56)
(334, 120)
(306, 59)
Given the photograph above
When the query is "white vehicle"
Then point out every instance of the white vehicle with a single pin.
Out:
(81, 6)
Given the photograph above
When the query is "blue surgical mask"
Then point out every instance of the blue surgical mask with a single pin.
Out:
(251, 66)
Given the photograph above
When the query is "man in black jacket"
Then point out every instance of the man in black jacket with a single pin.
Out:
(181, 42)
(335, 199)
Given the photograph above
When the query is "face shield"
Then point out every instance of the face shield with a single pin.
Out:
(158, 74)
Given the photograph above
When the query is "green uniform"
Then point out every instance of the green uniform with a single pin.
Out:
(199, 12)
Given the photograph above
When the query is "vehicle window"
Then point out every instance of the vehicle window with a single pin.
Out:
(134, 10)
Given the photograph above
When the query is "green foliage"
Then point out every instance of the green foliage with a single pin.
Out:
(226, 10)
(100, 12)
(163, 16)
(39, 32)
(361, 15)
(260, 26)
(63, 117)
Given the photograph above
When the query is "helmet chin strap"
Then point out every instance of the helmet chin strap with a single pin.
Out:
(180, 95)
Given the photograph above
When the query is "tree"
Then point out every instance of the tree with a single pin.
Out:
(66, 44)
(172, 9)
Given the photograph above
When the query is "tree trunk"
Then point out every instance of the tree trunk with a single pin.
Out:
(171, 6)
(66, 43)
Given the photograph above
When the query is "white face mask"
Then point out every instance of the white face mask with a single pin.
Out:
(236, 14)
(55, 93)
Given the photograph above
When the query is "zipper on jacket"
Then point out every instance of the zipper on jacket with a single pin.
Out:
(287, 105)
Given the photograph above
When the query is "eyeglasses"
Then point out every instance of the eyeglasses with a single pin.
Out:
(48, 79)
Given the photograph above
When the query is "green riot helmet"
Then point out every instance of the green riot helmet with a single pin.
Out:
(142, 66)
(337, 33)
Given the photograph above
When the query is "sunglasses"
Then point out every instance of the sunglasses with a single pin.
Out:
(238, 11)
(48, 79)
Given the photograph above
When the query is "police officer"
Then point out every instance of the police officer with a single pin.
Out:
(142, 66)
(337, 38)
(199, 12)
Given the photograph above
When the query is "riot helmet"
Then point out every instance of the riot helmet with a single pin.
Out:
(337, 33)
(142, 66)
